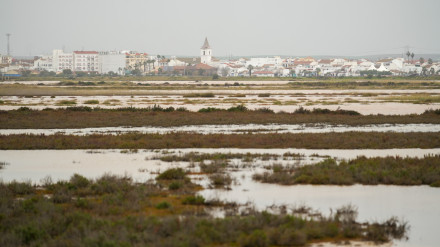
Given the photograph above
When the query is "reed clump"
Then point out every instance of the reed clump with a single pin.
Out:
(362, 170)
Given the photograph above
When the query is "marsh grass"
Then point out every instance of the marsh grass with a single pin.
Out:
(85, 117)
(199, 95)
(413, 98)
(66, 102)
(362, 170)
(346, 140)
(264, 95)
(91, 102)
(200, 157)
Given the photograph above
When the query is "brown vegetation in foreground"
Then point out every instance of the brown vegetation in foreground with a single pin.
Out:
(116, 211)
(348, 140)
(71, 118)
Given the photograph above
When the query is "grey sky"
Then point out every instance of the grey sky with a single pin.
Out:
(238, 27)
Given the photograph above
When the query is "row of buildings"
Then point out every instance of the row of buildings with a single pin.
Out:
(130, 62)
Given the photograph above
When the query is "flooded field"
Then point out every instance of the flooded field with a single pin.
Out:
(416, 204)
(386, 102)
(61, 164)
(233, 129)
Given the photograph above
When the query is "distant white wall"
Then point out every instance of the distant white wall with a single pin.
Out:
(111, 61)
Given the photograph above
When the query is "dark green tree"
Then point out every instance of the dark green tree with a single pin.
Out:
(250, 68)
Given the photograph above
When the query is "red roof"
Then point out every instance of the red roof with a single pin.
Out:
(203, 66)
(302, 62)
(263, 72)
(85, 52)
(325, 61)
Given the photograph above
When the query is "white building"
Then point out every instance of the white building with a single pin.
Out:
(261, 61)
(44, 63)
(175, 62)
(5, 59)
(61, 60)
(205, 53)
(112, 61)
(85, 61)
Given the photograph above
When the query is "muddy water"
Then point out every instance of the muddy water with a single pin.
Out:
(417, 204)
(234, 129)
(61, 164)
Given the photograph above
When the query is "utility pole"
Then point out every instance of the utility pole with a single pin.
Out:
(8, 49)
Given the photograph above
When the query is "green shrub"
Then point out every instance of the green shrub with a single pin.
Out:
(175, 185)
(66, 102)
(194, 200)
(171, 174)
(163, 205)
(210, 109)
(257, 238)
(21, 188)
(79, 181)
(91, 102)
(239, 108)
(30, 233)
(220, 180)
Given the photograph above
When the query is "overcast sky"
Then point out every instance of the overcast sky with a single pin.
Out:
(233, 27)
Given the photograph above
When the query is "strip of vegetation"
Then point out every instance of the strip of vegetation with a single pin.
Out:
(85, 117)
(370, 171)
(347, 140)
(199, 95)
(66, 102)
(414, 98)
(115, 211)
(385, 83)
(91, 102)
(200, 157)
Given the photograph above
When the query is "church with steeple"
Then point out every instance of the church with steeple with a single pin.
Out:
(205, 53)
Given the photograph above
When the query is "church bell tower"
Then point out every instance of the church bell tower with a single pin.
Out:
(205, 53)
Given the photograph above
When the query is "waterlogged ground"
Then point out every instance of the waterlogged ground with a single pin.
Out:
(386, 102)
(233, 129)
(416, 204)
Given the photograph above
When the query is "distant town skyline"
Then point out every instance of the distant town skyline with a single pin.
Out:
(237, 28)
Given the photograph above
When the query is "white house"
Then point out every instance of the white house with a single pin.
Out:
(43, 63)
(85, 61)
(61, 60)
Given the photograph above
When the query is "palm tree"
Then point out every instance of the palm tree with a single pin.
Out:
(250, 68)
(412, 56)
(408, 54)
(144, 63)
